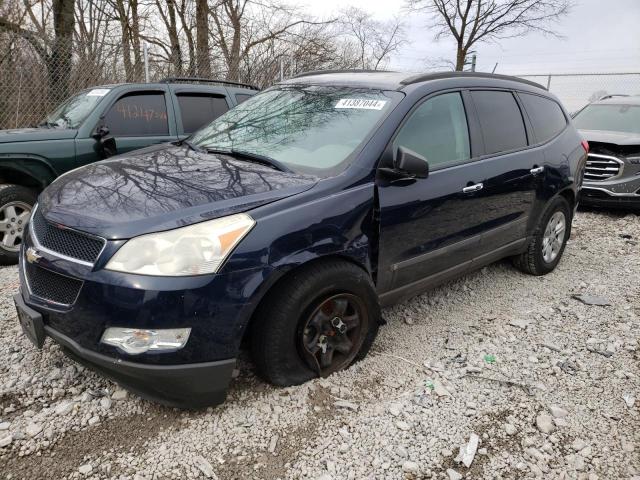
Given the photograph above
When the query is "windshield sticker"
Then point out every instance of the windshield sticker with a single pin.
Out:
(361, 103)
(98, 92)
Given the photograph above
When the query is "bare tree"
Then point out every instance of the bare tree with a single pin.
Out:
(241, 26)
(473, 21)
(55, 50)
(202, 39)
(374, 41)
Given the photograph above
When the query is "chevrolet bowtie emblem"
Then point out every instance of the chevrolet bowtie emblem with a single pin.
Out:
(32, 255)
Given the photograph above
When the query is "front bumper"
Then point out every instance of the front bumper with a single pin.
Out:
(217, 308)
(192, 385)
(603, 197)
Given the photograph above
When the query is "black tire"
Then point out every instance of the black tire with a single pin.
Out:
(282, 320)
(20, 197)
(532, 260)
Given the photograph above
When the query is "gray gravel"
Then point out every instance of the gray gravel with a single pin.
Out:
(496, 375)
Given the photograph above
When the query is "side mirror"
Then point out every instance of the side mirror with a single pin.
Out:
(106, 145)
(101, 132)
(410, 162)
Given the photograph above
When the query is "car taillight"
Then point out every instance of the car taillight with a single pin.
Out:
(585, 145)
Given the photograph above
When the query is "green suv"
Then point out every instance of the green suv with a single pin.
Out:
(97, 123)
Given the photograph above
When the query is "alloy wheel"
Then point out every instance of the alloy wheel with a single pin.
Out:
(13, 220)
(553, 237)
(332, 334)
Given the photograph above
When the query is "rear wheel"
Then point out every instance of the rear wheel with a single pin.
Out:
(16, 203)
(316, 322)
(549, 240)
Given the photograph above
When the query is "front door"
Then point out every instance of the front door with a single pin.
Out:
(139, 119)
(429, 227)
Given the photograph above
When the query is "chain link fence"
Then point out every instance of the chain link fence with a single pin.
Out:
(575, 90)
(33, 83)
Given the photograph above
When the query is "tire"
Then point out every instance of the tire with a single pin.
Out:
(16, 202)
(534, 261)
(284, 322)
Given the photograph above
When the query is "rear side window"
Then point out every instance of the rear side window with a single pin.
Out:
(437, 130)
(241, 97)
(198, 109)
(546, 116)
(500, 120)
(138, 114)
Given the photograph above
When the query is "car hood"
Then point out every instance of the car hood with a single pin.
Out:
(616, 138)
(161, 188)
(36, 134)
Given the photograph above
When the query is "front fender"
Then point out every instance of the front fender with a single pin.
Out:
(293, 232)
(16, 168)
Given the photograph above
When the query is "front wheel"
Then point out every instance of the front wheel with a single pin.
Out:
(16, 203)
(316, 322)
(549, 240)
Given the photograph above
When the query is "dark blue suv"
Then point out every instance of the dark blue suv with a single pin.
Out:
(289, 221)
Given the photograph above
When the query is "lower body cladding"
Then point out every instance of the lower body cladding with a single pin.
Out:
(212, 310)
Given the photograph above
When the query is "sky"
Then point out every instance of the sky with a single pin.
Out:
(598, 36)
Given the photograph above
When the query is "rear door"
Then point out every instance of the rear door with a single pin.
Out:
(140, 118)
(196, 108)
(508, 170)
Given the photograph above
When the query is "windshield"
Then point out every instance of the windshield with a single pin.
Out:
(306, 128)
(614, 118)
(74, 110)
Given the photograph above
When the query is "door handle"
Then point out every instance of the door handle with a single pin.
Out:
(473, 188)
(536, 170)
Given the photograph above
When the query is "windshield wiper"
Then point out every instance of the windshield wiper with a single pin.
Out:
(252, 157)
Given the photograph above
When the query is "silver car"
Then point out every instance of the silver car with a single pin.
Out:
(612, 175)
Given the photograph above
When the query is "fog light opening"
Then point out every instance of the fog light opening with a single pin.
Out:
(134, 341)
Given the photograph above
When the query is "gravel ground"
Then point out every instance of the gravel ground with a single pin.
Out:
(496, 375)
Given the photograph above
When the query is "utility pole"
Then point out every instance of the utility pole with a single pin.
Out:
(145, 52)
(281, 69)
(471, 65)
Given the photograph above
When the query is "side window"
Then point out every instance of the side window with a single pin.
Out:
(438, 130)
(500, 120)
(241, 97)
(545, 114)
(138, 114)
(199, 109)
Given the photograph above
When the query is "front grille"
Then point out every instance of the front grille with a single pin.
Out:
(602, 167)
(65, 241)
(51, 286)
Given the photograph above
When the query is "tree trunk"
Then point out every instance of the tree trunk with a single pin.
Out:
(176, 52)
(134, 38)
(59, 62)
(202, 39)
(461, 56)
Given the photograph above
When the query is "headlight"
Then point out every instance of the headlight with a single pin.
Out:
(193, 250)
(135, 341)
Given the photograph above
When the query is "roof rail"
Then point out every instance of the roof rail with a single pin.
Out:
(435, 76)
(207, 80)
(612, 95)
(344, 70)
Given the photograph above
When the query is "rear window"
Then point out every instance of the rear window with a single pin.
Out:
(546, 116)
(199, 109)
(614, 118)
(500, 120)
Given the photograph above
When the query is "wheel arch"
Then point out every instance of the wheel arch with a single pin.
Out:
(281, 276)
(570, 196)
(32, 172)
